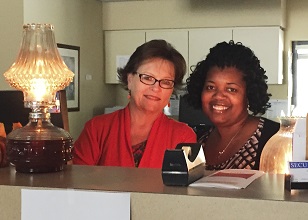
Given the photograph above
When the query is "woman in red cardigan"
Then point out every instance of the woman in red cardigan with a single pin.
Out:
(139, 134)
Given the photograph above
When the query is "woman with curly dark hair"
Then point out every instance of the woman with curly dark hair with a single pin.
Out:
(230, 87)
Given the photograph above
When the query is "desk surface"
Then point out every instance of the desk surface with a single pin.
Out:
(267, 187)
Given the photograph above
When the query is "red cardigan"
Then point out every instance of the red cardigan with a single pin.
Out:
(105, 140)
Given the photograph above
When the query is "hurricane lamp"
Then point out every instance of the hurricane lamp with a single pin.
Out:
(39, 71)
(277, 152)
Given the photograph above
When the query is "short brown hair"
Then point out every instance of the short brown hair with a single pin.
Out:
(154, 49)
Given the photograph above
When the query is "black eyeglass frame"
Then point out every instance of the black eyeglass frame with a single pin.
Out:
(155, 80)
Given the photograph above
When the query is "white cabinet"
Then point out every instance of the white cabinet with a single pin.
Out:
(267, 44)
(177, 38)
(119, 45)
(194, 45)
(201, 40)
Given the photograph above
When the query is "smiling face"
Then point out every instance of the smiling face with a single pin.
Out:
(223, 97)
(151, 98)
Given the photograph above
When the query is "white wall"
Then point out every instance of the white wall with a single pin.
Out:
(149, 14)
(11, 20)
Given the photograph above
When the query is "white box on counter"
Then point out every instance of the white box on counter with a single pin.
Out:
(299, 171)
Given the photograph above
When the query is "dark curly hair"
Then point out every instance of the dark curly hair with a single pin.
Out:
(154, 49)
(232, 55)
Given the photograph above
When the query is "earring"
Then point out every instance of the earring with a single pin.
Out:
(129, 94)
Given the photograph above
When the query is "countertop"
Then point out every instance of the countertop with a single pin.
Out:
(267, 187)
(146, 185)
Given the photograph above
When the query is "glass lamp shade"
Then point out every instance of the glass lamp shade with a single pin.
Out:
(277, 151)
(39, 72)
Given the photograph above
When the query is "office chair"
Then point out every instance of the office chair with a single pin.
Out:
(12, 110)
(195, 118)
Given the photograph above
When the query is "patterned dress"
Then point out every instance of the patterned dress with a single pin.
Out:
(248, 156)
(138, 151)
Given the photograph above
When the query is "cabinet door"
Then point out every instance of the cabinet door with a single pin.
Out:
(119, 45)
(178, 39)
(202, 40)
(267, 44)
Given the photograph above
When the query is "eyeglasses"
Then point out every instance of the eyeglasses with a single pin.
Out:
(150, 80)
